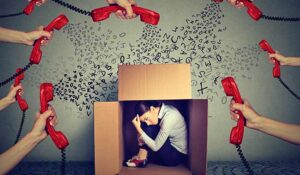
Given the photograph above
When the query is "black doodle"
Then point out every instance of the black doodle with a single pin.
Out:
(91, 74)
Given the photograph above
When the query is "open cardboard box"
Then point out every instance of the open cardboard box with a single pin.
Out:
(115, 137)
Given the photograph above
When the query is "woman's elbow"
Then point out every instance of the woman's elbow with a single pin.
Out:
(155, 149)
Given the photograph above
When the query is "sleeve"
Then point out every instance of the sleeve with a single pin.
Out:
(161, 137)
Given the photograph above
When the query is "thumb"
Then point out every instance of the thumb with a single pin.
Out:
(272, 55)
(46, 114)
(40, 28)
(129, 10)
(45, 34)
(238, 106)
(246, 102)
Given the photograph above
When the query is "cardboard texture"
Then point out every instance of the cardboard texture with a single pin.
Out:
(108, 138)
(115, 137)
(154, 81)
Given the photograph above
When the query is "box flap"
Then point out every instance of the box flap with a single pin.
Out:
(108, 138)
(154, 81)
(198, 136)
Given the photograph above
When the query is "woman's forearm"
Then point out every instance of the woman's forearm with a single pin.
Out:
(13, 36)
(10, 158)
(293, 61)
(4, 102)
(285, 131)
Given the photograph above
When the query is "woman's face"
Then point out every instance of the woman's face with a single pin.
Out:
(150, 117)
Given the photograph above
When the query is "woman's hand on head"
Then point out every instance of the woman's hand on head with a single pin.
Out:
(136, 122)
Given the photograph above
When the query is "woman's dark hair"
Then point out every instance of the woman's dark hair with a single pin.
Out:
(142, 107)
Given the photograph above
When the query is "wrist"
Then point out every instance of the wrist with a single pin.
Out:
(36, 138)
(139, 131)
(258, 123)
(26, 39)
(8, 101)
(33, 138)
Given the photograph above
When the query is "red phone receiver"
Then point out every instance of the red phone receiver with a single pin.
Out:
(57, 23)
(146, 15)
(22, 102)
(231, 89)
(264, 45)
(30, 7)
(254, 12)
(46, 95)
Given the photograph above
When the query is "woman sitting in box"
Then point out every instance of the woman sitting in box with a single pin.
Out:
(162, 133)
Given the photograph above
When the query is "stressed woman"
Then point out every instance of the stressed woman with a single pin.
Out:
(161, 132)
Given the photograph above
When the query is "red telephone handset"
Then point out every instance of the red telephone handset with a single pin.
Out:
(252, 10)
(264, 45)
(30, 7)
(22, 102)
(57, 23)
(231, 89)
(46, 95)
(146, 15)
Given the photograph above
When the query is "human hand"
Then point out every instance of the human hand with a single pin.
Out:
(247, 110)
(125, 4)
(38, 129)
(136, 122)
(36, 34)
(40, 2)
(236, 3)
(282, 59)
(11, 96)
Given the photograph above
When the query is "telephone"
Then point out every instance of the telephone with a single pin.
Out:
(254, 12)
(46, 95)
(57, 23)
(22, 102)
(231, 89)
(147, 16)
(264, 45)
(30, 7)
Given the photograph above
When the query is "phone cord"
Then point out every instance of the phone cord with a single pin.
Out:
(15, 75)
(63, 162)
(244, 160)
(286, 86)
(21, 126)
(72, 7)
(12, 15)
(277, 18)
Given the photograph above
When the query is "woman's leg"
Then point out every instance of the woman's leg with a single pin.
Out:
(169, 156)
(152, 132)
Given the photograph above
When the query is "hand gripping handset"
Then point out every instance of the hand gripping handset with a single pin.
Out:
(22, 102)
(30, 7)
(146, 15)
(254, 12)
(231, 89)
(264, 45)
(57, 23)
(46, 95)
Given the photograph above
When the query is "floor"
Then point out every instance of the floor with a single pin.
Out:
(214, 168)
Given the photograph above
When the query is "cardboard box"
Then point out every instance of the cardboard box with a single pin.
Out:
(115, 137)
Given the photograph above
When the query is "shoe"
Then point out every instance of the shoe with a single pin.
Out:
(136, 163)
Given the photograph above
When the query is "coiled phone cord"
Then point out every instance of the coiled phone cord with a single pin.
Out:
(16, 75)
(21, 126)
(244, 160)
(63, 162)
(277, 18)
(72, 7)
